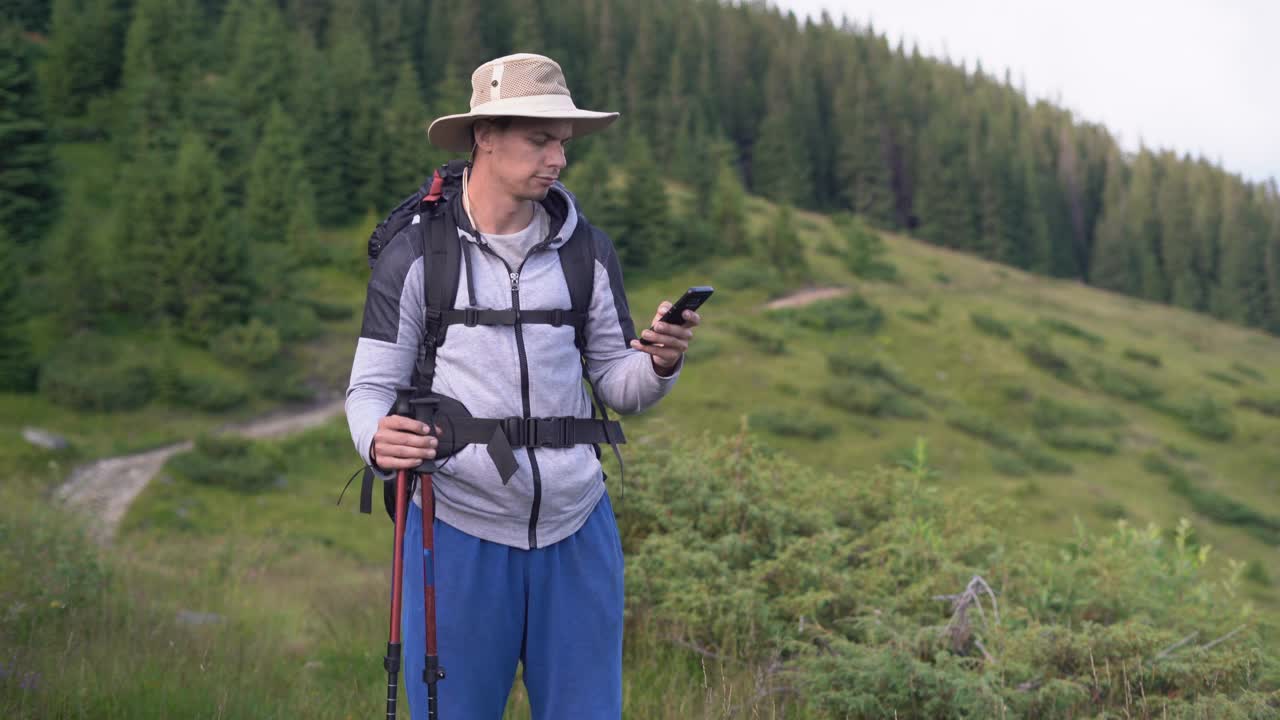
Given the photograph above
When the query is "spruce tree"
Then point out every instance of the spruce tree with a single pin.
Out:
(17, 367)
(780, 247)
(277, 182)
(860, 169)
(1173, 208)
(407, 163)
(27, 173)
(1142, 227)
(321, 129)
(1113, 265)
(644, 235)
(264, 63)
(208, 267)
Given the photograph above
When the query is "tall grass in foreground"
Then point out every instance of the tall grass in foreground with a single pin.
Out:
(757, 587)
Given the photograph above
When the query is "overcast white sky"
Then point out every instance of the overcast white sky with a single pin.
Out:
(1198, 76)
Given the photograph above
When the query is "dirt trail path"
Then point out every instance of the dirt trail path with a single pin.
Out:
(103, 490)
(807, 296)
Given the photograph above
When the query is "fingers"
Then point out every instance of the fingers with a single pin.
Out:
(402, 442)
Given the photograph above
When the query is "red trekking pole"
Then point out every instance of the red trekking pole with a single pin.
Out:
(432, 672)
(392, 661)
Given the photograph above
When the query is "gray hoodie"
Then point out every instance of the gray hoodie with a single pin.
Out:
(554, 489)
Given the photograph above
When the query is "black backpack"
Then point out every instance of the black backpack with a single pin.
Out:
(430, 209)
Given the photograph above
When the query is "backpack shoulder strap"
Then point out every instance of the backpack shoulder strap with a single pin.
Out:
(578, 262)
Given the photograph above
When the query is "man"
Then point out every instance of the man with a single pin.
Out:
(530, 570)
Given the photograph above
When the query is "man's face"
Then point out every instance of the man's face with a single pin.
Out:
(527, 156)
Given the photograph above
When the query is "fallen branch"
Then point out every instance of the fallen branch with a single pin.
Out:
(1222, 639)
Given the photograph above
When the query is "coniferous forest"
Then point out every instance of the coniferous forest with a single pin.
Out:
(237, 126)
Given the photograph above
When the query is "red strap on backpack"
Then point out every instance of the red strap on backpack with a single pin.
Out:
(437, 188)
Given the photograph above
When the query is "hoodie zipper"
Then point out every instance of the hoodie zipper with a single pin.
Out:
(514, 276)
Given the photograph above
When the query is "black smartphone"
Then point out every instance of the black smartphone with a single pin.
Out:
(691, 300)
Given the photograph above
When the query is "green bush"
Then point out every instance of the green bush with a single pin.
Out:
(792, 423)
(845, 363)
(864, 250)
(331, 312)
(1268, 404)
(703, 348)
(986, 428)
(1214, 505)
(1203, 415)
(762, 337)
(87, 373)
(1256, 573)
(1223, 378)
(990, 325)
(1248, 371)
(928, 316)
(1125, 385)
(851, 312)
(847, 578)
(284, 382)
(873, 398)
(1042, 355)
(1145, 358)
(1008, 463)
(251, 344)
(231, 462)
(294, 321)
(1049, 413)
(748, 274)
(1062, 327)
(209, 392)
(1070, 438)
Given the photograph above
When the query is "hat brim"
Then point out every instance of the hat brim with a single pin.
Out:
(453, 132)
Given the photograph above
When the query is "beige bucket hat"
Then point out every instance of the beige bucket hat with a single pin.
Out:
(520, 85)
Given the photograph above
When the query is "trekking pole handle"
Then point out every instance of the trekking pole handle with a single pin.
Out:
(404, 398)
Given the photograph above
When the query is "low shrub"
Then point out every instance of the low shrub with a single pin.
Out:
(1049, 413)
(1248, 371)
(231, 462)
(868, 586)
(864, 251)
(876, 399)
(251, 344)
(1223, 378)
(990, 325)
(763, 337)
(1124, 385)
(1140, 356)
(294, 321)
(209, 392)
(986, 428)
(747, 274)
(1202, 415)
(792, 423)
(1062, 327)
(1043, 355)
(927, 316)
(1008, 463)
(88, 373)
(1070, 438)
(845, 364)
(1266, 404)
(1215, 505)
(849, 313)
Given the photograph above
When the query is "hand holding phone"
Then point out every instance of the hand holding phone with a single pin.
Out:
(692, 299)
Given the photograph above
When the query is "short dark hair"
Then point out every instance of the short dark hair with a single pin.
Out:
(502, 123)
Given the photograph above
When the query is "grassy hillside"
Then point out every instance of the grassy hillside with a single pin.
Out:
(1048, 411)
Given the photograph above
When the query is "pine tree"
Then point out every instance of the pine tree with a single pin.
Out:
(1142, 227)
(218, 294)
(780, 247)
(1114, 265)
(277, 181)
(777, 168)
(643, 238)
(359, 118)
(321, 129)
(161, 58)
(263, 66)
(729, 209)
(137, 283)
(82, 55)
(861, 171)
(1173, 208)
(27, 173)
(17, 367)
(407, 163)
(1206, 223)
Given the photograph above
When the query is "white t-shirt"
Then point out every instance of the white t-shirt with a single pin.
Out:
(515, 246)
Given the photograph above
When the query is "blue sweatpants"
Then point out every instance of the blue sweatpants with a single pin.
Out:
(557, 610)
